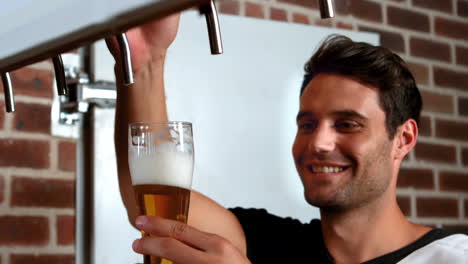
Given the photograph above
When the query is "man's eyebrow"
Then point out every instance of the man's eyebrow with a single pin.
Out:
(349, 113)
(343, 113)
(302, 114)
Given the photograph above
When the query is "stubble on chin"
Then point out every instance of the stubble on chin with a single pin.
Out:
(365, 186)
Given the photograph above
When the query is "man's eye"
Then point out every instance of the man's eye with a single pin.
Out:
(307, 125)
(347, 126)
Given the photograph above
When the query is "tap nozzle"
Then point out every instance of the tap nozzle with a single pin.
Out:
(60, 78)
(8, 90)
(126, 58)
(214, 32)
(326, 8)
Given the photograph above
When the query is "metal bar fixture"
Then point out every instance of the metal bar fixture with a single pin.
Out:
(326, 8)
(214, 32)
(126, 58)
(60, 75)
(8, 90)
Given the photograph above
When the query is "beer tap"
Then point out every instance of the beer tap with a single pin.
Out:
(8, 90)
(60, 75)
(326, 8)
(214, 33)
(126, 58)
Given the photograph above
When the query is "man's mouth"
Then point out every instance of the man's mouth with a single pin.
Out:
(327, 169)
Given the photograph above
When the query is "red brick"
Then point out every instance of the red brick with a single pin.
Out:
(425, 126)
(67, 156)
(460, 229)
(466, 208)
(462, 55)
(416, 178)
(53, 193)
(408, 19)
(2, 189)
(344, 25)
(452, 181)
(462, 8)
(434, 102)
(254, 10)
(34, 82)
(65, 230)
(278, 14)
(300, 19)
(420, 72)
(437, 207)
(465, 156)
(388, 39)
(425, 49)
(24, 153)
(452, 130)
(42, 259)
(24, 231)
(231, 7)
(323, 22)
(366, 10)
(2, 114)
(405, 205)
(451, 28)
(444, 77)
(443, 6)
(463, 106)
(342, 7)
(32, 118)
(304, 3)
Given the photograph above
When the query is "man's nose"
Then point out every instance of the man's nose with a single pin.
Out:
(322, 140)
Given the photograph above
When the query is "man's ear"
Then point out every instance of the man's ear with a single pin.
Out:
(406, 137)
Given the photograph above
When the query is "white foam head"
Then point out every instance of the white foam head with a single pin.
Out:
(162, 165)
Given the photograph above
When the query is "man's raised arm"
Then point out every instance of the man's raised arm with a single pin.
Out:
(145, 101)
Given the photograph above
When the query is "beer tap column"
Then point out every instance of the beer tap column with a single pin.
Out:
(8, 90)
(214, 32)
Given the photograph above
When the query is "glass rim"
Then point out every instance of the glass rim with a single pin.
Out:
(184, 123)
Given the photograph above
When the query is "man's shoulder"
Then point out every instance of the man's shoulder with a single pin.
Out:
(260, 214)
(450, 249)
(254, 220)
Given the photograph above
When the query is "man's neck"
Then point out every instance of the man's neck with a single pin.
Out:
(362, 234)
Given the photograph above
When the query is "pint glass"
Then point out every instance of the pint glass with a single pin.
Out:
(161, 157)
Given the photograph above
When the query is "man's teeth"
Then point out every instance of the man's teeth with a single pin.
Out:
(325, 169)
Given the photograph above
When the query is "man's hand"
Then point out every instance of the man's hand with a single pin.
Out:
(183, 244)
(148, 42)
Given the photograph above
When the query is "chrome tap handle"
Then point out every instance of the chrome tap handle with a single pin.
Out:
(214, 33)
(326, 8)
(8, 90)
(60, 78)
(126, 58)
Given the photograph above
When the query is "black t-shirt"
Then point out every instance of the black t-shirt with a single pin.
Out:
(273, 239)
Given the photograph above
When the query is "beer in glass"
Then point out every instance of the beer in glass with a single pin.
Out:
(161, 157)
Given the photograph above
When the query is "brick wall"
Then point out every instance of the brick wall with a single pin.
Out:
(432, 36)
(37, 170)
(37, 175)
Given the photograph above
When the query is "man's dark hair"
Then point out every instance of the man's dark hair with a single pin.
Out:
(371, 65)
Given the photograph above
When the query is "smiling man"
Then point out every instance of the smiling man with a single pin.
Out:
(358, 119)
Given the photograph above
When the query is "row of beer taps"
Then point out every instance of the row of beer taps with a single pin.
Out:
(211, 14)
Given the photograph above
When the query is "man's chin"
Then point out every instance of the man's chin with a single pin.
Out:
(325, 204)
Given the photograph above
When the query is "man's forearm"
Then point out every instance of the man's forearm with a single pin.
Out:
(143, 101)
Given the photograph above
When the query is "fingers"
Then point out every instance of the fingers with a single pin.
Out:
(113, 46)
(169, 228)
(181, 243)
(169, 248)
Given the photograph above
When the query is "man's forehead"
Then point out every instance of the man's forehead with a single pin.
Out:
(328, 93)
